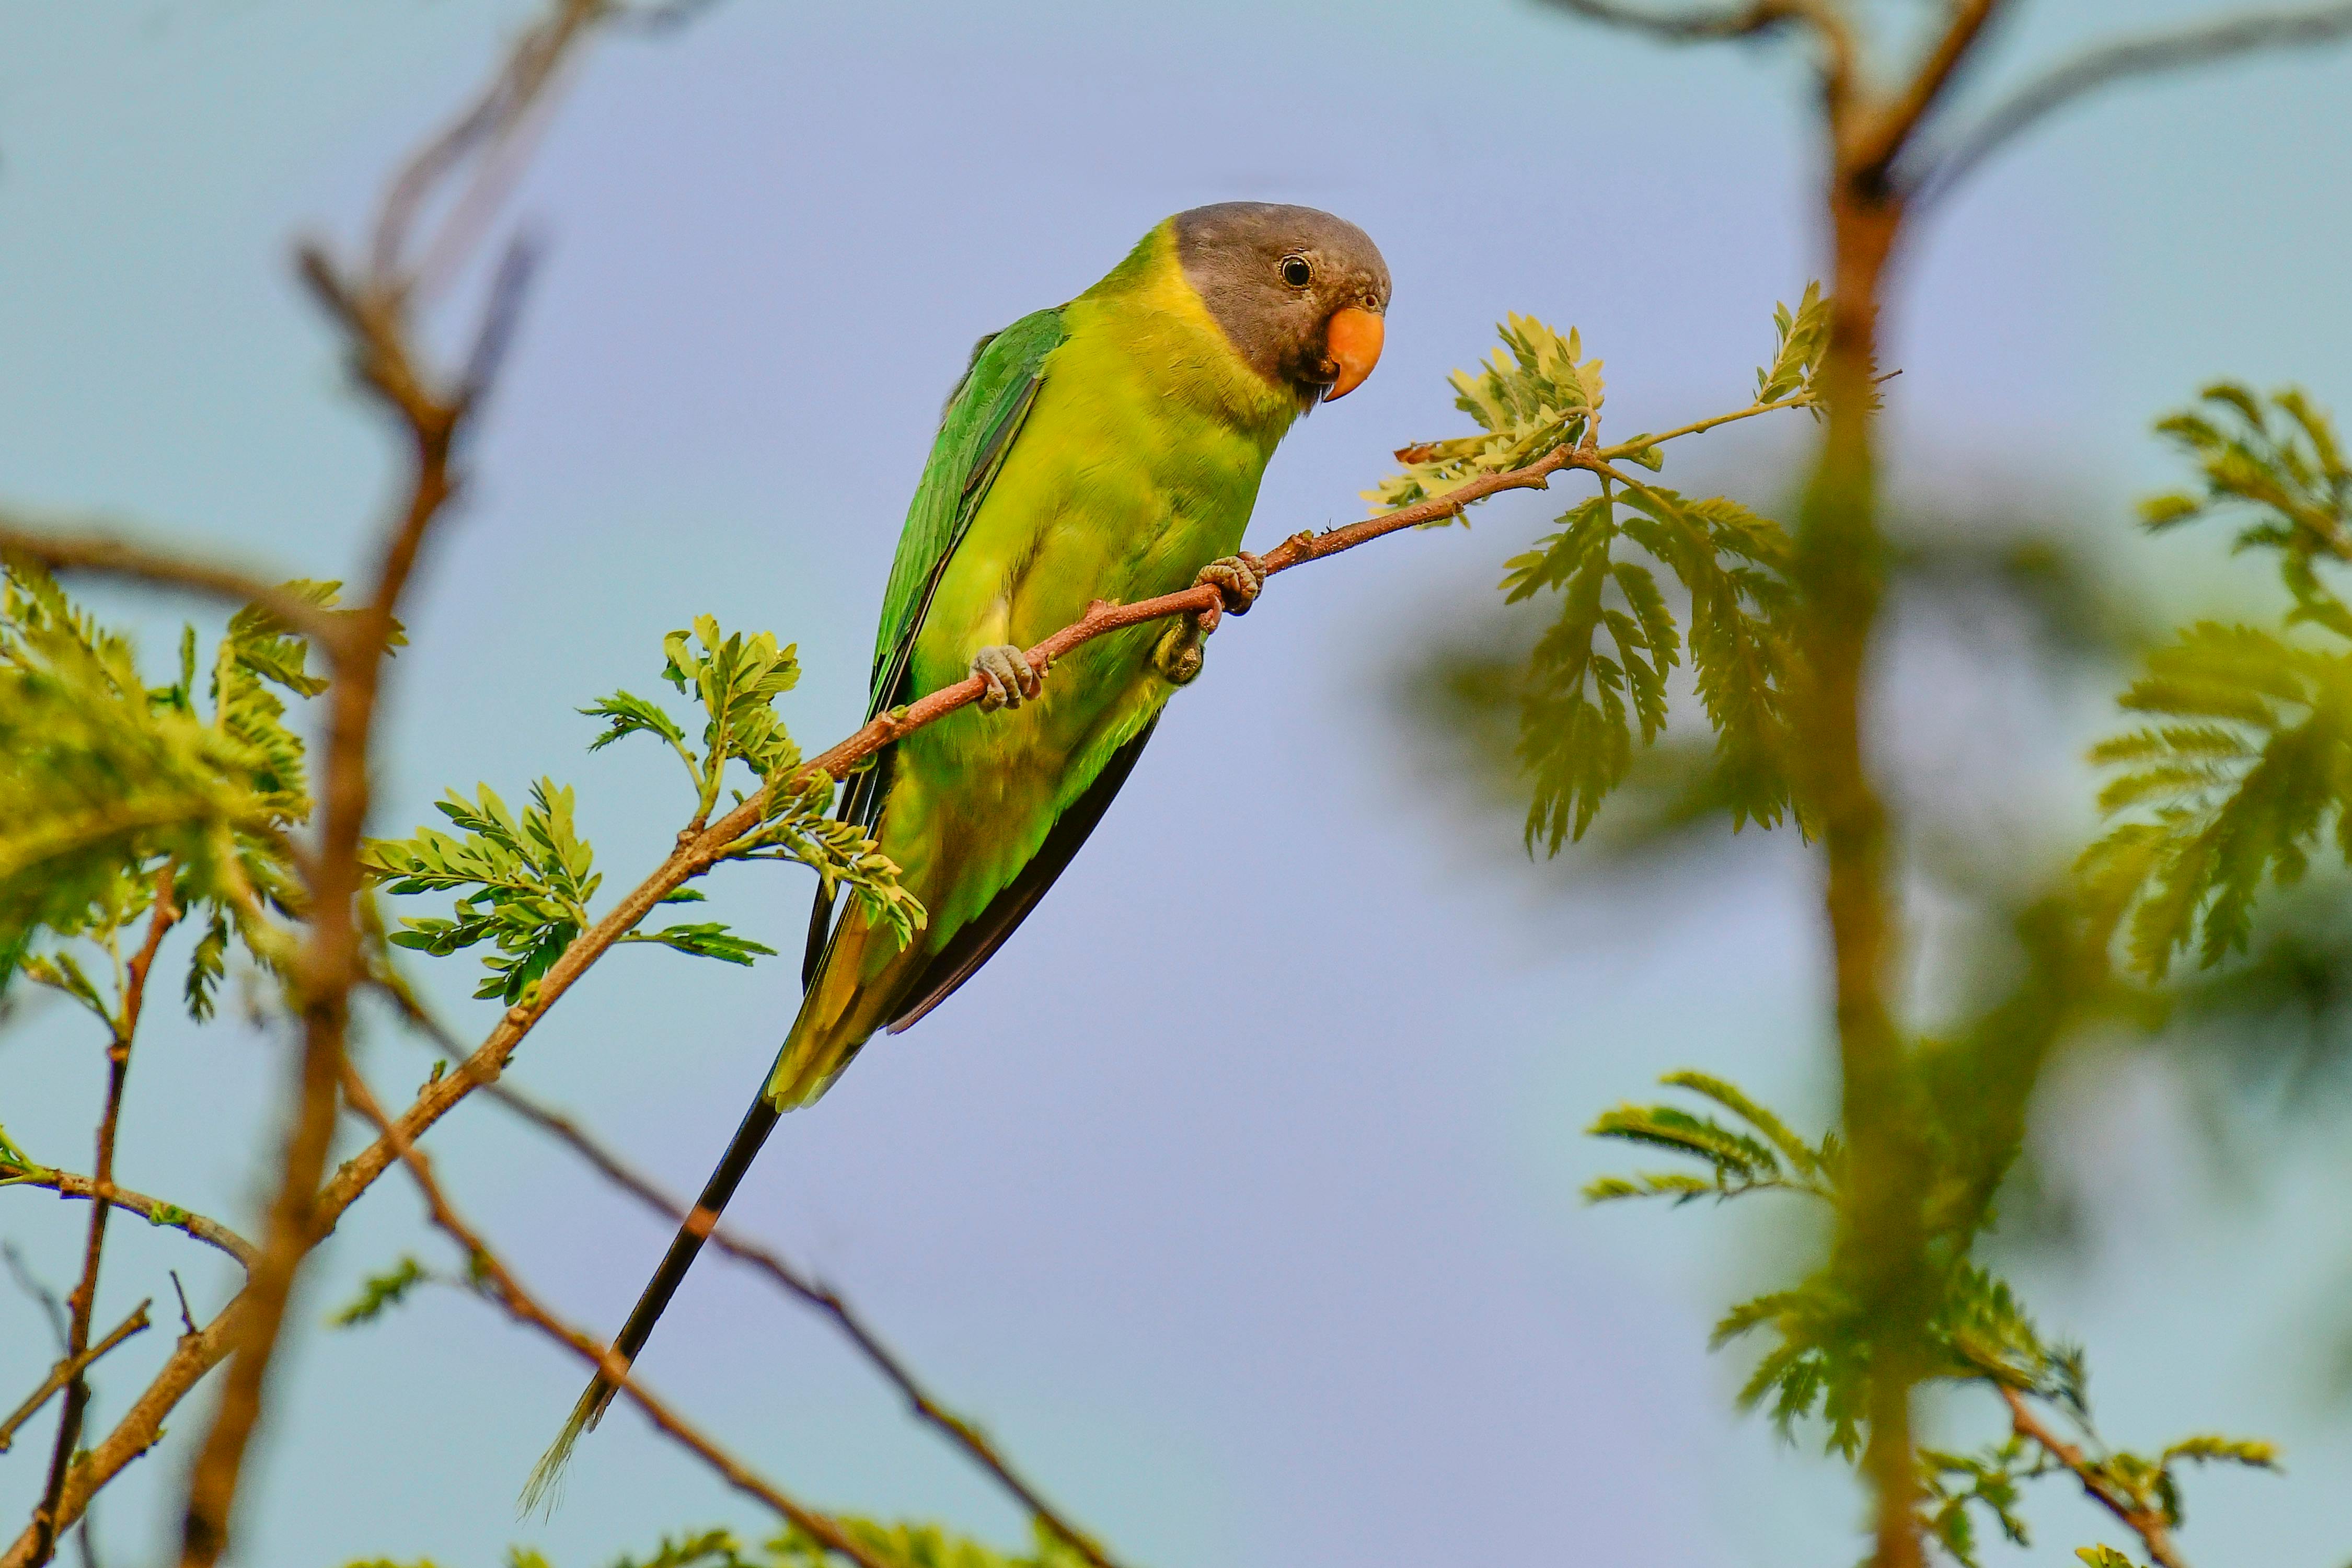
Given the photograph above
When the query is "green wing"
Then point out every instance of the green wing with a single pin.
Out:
(983, 415)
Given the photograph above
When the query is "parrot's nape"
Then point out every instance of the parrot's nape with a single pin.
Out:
(1107, 449)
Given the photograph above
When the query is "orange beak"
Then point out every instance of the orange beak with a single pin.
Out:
(1353, 341)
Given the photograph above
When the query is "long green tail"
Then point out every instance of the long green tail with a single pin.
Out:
(836, 1016)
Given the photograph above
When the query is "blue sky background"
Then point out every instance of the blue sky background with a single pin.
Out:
(1237, 1197)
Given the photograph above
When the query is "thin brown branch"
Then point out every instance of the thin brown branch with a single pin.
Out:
(481, 131)
(155, 1211)
(89, 549)
(1104, 617)
(779, 1271)
(69, 1371)
(1881, 135)
(30, 1283)
(83, 1301)
(501, 1286)
(142, 1427)
(2119, 61)
(1841, 51)
(1688, 26)
(1712, 422)
(2135, 1514)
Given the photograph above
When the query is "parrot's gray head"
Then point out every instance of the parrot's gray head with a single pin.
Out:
(1299, 293)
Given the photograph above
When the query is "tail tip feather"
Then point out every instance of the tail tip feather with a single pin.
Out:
(543, 1493)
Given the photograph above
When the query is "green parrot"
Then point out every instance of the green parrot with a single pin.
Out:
(1107, 449)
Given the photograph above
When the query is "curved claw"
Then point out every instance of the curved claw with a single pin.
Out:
(1008, 680)
(1238, 578)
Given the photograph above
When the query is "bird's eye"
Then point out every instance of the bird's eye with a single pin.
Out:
(1296, 272)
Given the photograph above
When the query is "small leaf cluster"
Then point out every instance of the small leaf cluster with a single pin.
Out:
(2243, 766)
(1819, 1364)
(380, 1293)
(737, 679)
(108, 783)
(1583, 699)
(1534, 393)
(1953, 1488)
(1800, 339)
(14, 1163)
(526, 883)
(927, 1546)
(2274, 469)
(1764, 1154)
(2151, 1483)
(903, 1546)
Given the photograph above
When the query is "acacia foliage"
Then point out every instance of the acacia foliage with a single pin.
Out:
(112, 789)
(1600, 680)
(2241, 767)
(525, 882)
(1815, 1367)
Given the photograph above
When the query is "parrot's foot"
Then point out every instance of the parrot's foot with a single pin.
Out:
(1177, 655)
(1238, 578)
(1007, 677)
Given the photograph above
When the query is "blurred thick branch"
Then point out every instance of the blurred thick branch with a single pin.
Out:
(1839, 574)
(90, 548)
(1881, 1247)
(373, 308)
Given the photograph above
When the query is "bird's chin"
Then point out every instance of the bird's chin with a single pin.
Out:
(1309, 394)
